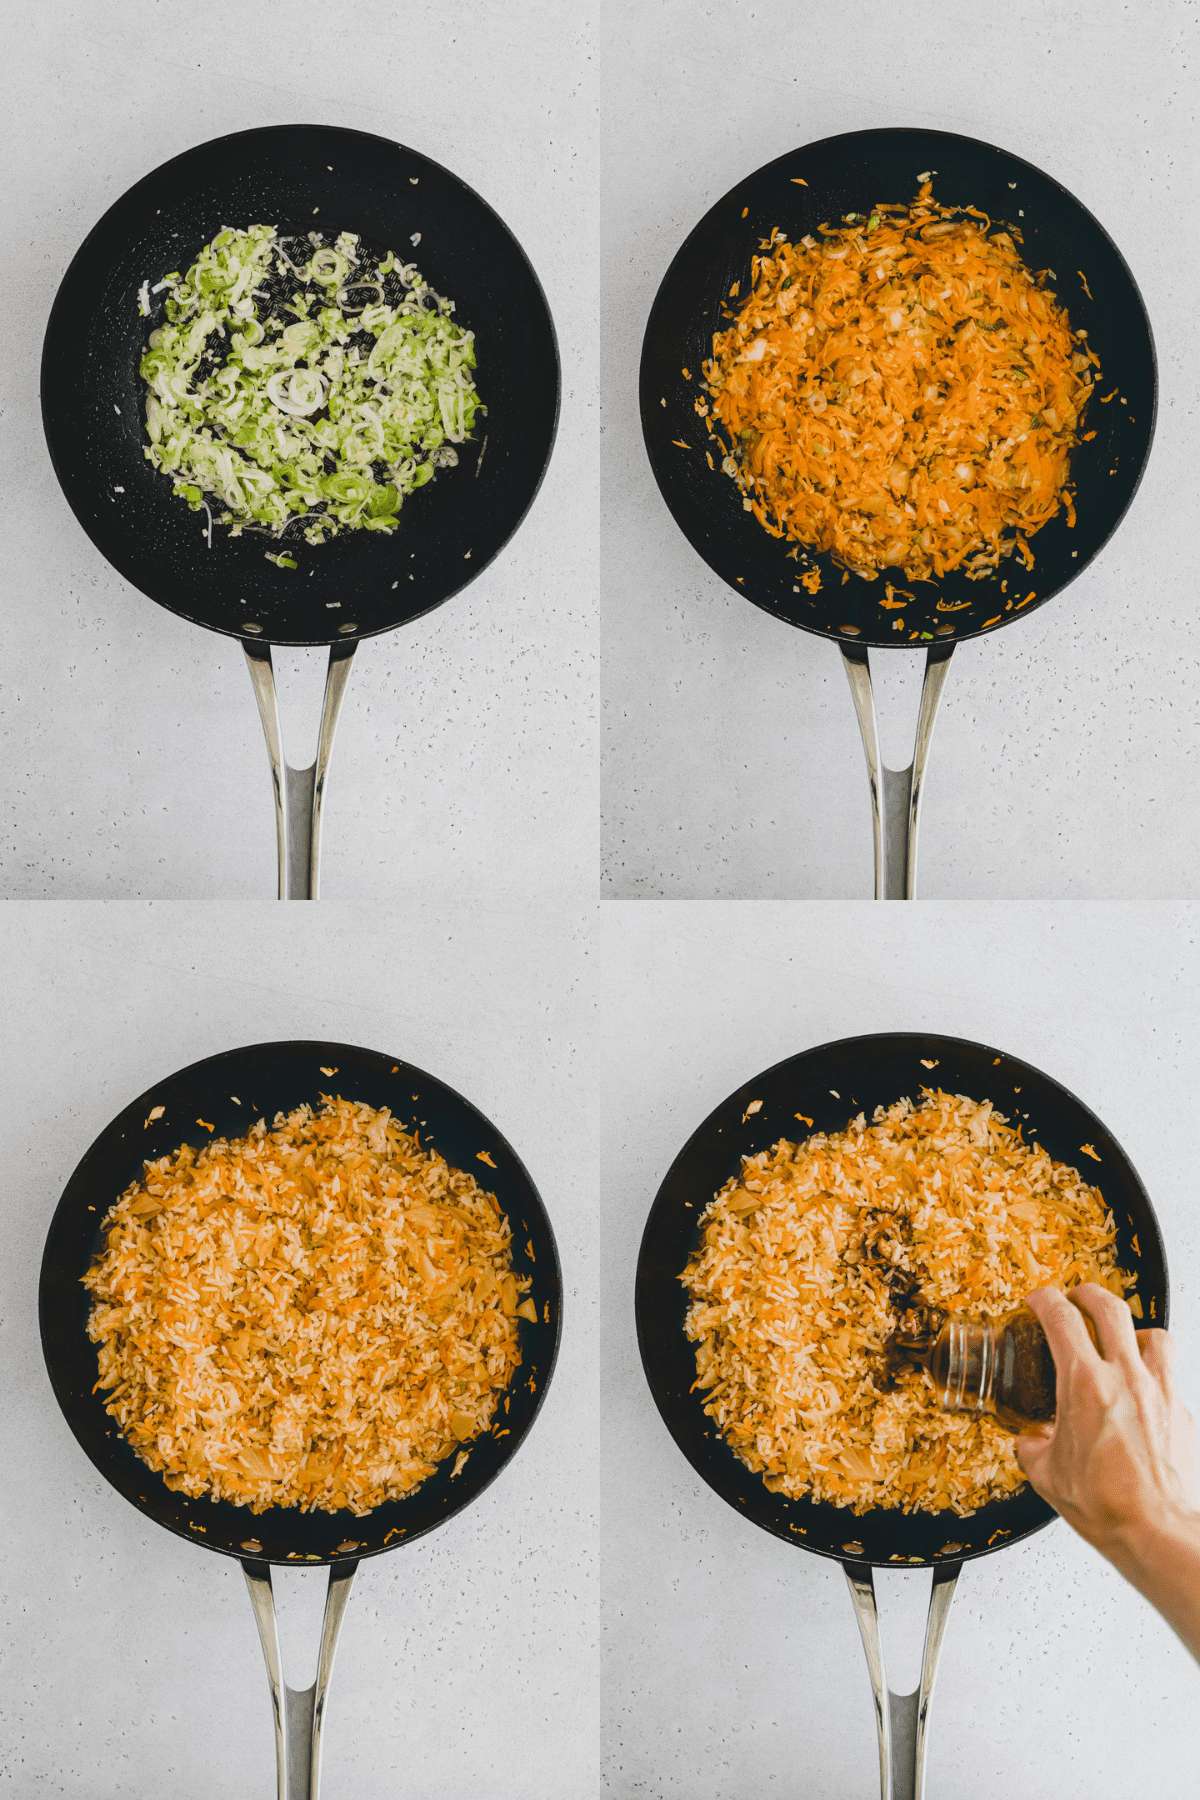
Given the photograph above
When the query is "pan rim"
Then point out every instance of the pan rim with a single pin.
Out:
(865, 638)
(900, 1040)
(48, 1329)
(57, 328)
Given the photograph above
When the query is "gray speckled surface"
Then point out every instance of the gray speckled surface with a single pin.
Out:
(733, 767)
(130, 1661)
(462, 819)
(466, 754)
(732, 1663)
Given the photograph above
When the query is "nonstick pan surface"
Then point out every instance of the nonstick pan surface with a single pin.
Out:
(865, 1072)
(849, 174)
(229, 1093)
(299, 178)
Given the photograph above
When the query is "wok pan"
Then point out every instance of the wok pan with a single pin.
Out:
(298, 178)
(230, 1092)
(867, 1072)
(845, 174)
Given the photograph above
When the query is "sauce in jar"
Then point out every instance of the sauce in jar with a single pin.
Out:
(1001, 1367)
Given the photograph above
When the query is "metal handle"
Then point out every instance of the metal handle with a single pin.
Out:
(299, 1715)
(902, 1720)
(298, 792)
(896, 794)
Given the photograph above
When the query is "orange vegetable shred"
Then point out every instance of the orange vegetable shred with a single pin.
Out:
(901, 391)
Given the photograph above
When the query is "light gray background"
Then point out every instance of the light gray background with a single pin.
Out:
(129, 1661)
(732, 1661)
(733, 761)
(465, 778)
(134, 758)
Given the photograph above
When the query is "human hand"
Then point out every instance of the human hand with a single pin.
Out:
(1122, 1454)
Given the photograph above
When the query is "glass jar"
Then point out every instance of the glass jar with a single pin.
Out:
(1002, 1367)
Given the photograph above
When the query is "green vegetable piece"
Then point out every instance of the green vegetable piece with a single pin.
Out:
(277, 424)
(383, 501)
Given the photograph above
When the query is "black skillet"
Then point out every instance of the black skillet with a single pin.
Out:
(849, 174)
(831, 1084)
(299, 178)
(223, 1096)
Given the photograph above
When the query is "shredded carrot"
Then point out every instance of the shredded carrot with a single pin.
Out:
(811, 581)
(901, 391)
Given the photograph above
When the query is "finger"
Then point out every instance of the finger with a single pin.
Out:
(1112, 1319)
(1033, 1448)
(1157, 1350)
(1066, 1333)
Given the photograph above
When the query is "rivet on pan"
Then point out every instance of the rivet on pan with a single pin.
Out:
(249, 627)
(345, 628)
(850, 630)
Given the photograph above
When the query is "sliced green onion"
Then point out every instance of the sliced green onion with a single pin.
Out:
(292, 425)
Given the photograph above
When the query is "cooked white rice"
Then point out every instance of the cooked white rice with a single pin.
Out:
(792, 1301)
(310, 1316)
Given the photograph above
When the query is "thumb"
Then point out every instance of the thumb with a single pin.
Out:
(1033, 1449)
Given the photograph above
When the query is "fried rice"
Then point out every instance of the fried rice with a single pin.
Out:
(810, 1257)
(312, 1316)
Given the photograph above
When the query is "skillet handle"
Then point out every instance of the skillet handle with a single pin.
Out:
(298, 792)
(896, 794)
(902, 1720)
(299, 1715)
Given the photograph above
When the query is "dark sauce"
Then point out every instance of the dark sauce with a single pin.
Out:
(1025, 1387)
(1001, 1367)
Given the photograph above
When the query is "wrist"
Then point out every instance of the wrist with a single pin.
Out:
(1152, 1546)
(1160, 1556)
